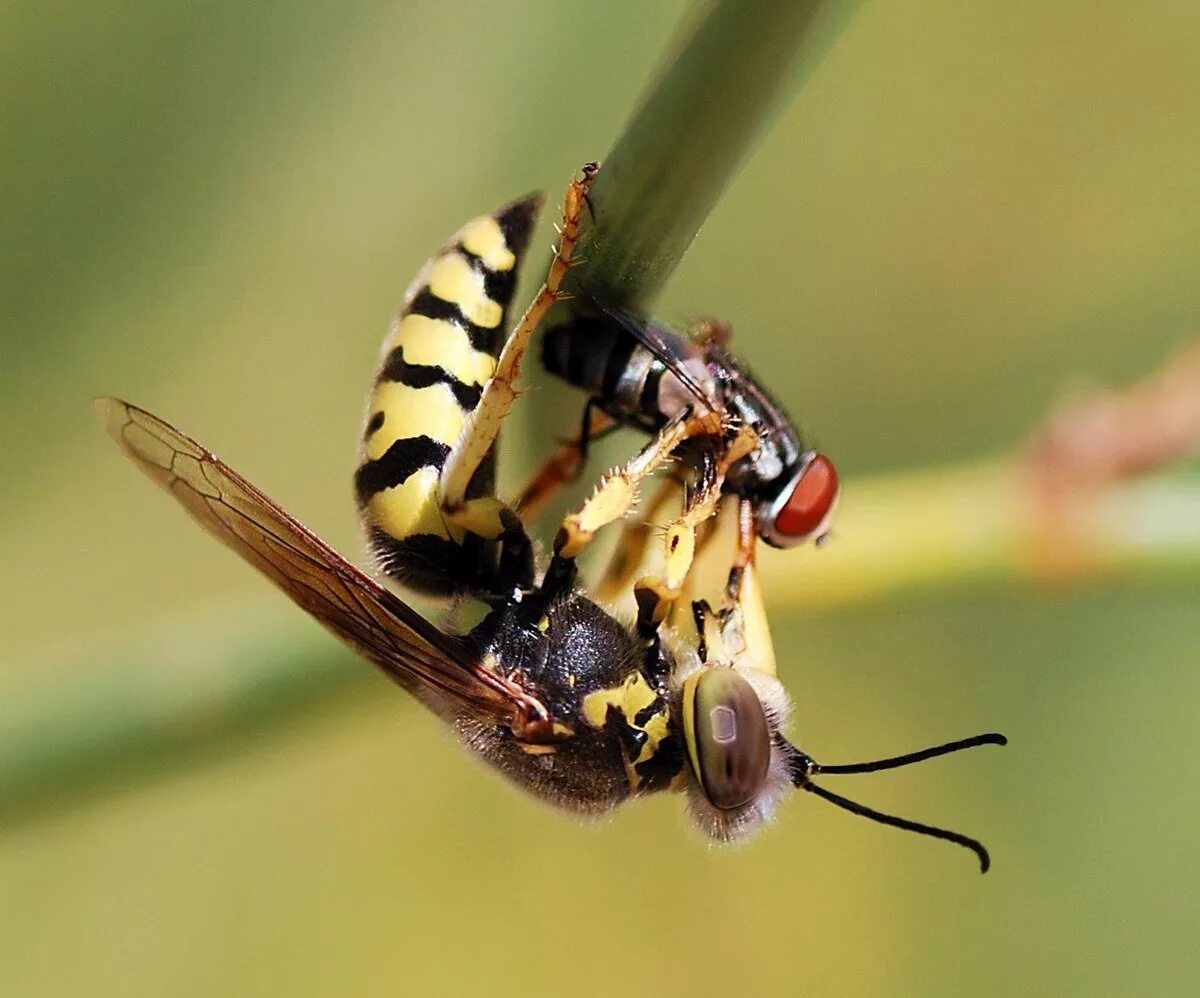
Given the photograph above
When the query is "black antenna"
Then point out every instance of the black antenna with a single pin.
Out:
(991, 738)
(804, 768)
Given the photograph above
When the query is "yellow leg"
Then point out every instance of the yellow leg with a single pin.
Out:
(680, 613)
(616, 493)
(631, 547)
(656, 594)
(488, 516)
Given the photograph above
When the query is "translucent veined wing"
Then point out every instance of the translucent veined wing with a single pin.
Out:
(347, 601)
(652, 336)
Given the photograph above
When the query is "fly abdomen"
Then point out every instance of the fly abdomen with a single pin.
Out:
(627, 379)
(581, 352)
(438, 354)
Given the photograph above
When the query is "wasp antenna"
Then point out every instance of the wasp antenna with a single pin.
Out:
(991, 738)
(909, 826)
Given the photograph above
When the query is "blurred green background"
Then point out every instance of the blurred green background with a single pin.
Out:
(214, 209)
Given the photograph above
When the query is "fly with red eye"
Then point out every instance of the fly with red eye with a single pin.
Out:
(710, 417)
(804, 509)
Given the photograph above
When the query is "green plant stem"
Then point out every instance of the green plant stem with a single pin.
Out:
(171, 703)
(187, 689)
(944, 527)
(693, 130)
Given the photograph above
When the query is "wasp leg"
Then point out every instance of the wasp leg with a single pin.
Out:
(655, 595)
(487, 516)
(631, 547)
(563, 466)
(680, 612)
(616, 494)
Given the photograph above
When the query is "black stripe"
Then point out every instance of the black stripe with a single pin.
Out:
(431, 564)
(426, 303)
(618, 363)
(498, 285)
(642, 717)
(657, 772)
(516, 222)
(556, 350)
(648, 403)
(405, 457)
(396, 368)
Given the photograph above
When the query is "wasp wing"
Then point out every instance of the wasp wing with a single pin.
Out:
(347, 601)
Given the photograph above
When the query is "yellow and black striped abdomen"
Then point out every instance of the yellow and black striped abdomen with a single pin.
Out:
(436, 358)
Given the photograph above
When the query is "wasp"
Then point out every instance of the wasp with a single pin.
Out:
(550, 688)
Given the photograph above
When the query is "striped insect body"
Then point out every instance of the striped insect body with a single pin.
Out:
(570, 703)
(436, 359)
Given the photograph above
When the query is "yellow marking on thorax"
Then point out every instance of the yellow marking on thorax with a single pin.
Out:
(657, 728)
(484, 237)
(453, 279)
(440, 343)
(633, 696)
(411, 412)
(408, 508)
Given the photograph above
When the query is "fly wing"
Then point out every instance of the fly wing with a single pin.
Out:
(348, 602)
(655, 339)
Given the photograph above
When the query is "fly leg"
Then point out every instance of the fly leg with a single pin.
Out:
(743, 556)
(487, 516)
(563, 466)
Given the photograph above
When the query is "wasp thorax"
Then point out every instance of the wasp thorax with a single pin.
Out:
(805, 507)
(730, 740)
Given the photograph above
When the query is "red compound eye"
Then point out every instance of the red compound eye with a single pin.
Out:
(811, 501)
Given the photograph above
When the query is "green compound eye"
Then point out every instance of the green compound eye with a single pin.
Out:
(729, 741)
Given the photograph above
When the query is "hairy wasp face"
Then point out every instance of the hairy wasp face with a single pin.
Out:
(731, 720)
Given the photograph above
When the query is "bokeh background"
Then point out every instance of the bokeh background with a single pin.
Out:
(213, 209)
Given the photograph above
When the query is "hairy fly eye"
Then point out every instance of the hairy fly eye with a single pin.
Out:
(807, 509)
(731, 743)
